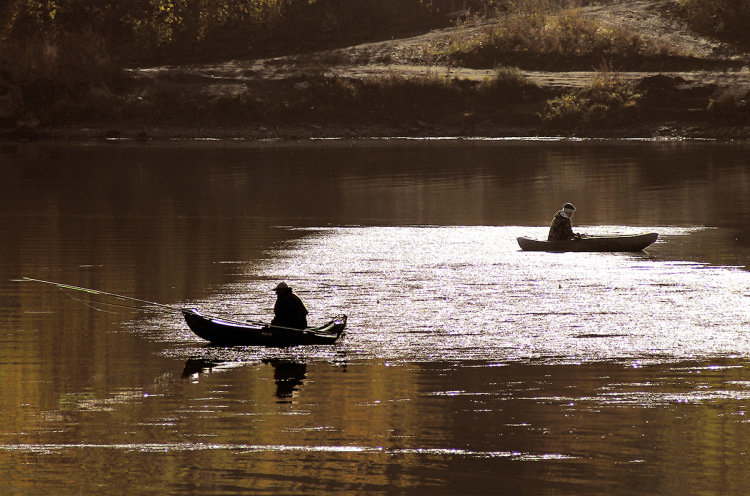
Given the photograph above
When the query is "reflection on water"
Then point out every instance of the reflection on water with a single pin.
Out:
(468, 365)
(287, 374)
(415, 426)
(196, 366)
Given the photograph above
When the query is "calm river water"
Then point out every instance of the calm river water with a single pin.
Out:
(468, 366)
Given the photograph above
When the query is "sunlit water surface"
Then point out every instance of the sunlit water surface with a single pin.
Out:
(468, 293)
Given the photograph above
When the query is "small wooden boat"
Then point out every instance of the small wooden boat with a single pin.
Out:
(231, 333)
(634, 242)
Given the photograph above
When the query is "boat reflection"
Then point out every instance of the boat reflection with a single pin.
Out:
(197, 366)
(287, 374)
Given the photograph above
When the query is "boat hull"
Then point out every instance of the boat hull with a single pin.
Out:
(636, 242)
(230, 333)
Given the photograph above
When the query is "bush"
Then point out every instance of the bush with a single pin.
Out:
(508, 85)
(528, 37)
(728, 19)
(51, 77)
(731, 105)
(608, 100)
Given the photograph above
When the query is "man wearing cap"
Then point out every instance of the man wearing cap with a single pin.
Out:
(289, 311)
(562, 227)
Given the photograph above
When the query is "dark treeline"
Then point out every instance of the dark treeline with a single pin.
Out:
(56, 49)
(142, 31)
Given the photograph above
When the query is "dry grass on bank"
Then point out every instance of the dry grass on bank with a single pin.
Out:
(608, 100)
(550, 37)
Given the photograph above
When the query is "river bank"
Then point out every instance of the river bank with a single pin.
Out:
(424, 106)
(668, 131)
(655, 79)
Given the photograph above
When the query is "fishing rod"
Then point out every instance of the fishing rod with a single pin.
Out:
(162, 307)
(60, 285)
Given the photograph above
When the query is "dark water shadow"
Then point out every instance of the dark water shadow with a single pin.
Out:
(288, 375)
(198, 366)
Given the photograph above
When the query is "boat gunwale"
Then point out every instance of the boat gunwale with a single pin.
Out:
(220, 331)
(606, 243)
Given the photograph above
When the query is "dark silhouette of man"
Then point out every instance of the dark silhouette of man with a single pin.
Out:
(289, 311)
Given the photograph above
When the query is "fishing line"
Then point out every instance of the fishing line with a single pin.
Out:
(91, 305)
(156, 306)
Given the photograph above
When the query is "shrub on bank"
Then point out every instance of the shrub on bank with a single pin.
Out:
(608, 100)
(55, 78)
(562, 40)
(731, 105)
(727, 19)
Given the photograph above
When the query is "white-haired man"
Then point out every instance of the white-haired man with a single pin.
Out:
(561, 228)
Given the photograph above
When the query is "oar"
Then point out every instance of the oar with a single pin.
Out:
(257, 322)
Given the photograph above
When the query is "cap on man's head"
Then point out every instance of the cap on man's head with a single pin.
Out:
(569, 206)
(281, 286)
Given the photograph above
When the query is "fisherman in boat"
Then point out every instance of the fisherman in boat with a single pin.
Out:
(562, 226)
(289, 311)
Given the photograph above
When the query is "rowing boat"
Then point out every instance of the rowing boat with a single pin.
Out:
(225, 332)
(633, 242)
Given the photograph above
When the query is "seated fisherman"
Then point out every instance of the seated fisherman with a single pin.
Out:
(289, 311)
(562, 227)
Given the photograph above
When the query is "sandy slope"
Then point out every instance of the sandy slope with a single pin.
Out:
(415, 55)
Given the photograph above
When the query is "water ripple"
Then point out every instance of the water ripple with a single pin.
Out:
(52, 448)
